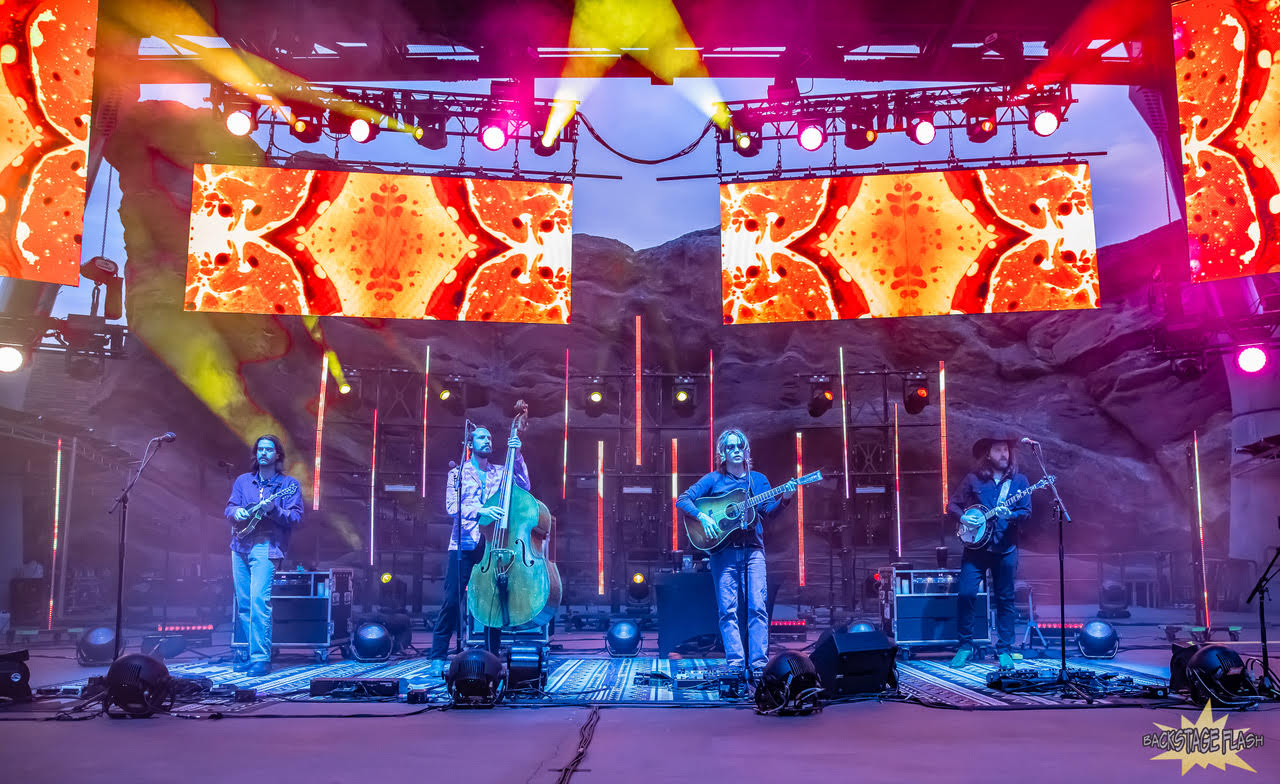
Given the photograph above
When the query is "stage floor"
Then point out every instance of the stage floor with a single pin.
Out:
(598, 723)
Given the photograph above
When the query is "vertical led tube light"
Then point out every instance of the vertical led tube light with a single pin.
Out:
(942, 439)
(1204, 580)
(675, 490)
(897, 480)
(57, 507)
(426, 395)
(600, 518)
(638, 377)
(711, 404)
(564, 457)
(373, 478)
(844, 425)
(324, 386)
(800, 504)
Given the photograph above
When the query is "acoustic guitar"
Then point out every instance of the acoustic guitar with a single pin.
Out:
(976, 528)
(732, 510)
(242, 528)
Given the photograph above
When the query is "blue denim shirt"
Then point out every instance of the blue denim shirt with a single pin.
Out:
(719, 483)
(277, 524)
(975, 490)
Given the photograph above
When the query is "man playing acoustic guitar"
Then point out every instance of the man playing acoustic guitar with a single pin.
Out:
(994, 479)
(256, 555)
(741, 556)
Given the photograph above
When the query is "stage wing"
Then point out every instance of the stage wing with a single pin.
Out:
(1228, 112)
(912, 244)
(46, 96)
(372, 245)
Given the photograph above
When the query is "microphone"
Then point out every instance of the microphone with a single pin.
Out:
(453, 464)
(1029, 442)
(168, 438)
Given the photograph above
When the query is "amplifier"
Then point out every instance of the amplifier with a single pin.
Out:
(354, 688)
(919, 607)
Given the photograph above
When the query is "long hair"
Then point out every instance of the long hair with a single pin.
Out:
(253, 465)
(984, 469)
(721, 454)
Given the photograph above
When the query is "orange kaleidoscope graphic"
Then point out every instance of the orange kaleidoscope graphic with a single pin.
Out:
(46, 59)
(1228, 69)
(372, 245)
(914, 244)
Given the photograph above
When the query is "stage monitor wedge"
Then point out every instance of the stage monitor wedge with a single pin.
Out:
(855, 662)
(374, 245)
(934, 243)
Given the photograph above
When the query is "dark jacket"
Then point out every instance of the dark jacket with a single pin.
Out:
(719, 483)
(975, 490)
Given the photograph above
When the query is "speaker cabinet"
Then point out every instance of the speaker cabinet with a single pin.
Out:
(686, 609)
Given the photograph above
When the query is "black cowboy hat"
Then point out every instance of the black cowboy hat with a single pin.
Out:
(983, 445)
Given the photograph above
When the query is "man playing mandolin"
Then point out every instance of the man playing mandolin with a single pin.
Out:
(741, 556)
(266, 493)
(993, 480)
(480, 478)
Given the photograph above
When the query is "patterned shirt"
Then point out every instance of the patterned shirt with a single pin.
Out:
(477, 486)
(277, 524)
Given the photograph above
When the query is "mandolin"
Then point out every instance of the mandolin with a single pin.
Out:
(241, 529)
(732, 510)
(976, 530)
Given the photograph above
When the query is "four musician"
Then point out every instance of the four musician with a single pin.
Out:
(994, 479)
(738, 564)
(256, 556)
(479, 478)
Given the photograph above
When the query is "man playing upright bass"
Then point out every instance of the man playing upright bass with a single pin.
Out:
(741, 556)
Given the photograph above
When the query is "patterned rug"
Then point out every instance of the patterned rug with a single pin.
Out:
(646, 680)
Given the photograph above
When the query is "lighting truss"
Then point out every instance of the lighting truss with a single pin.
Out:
(75, 333)
(891, 110)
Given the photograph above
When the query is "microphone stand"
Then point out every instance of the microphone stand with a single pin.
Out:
(1061, 515)
(122, 503)
(1262, 591)
(462, 629)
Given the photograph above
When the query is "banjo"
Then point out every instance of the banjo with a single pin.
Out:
(976, 523)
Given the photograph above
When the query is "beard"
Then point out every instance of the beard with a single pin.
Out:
(1000, 465)
(485, 453)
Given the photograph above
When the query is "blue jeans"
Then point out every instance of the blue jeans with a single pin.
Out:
(252, 574)
(1004, 567)
(726, 567)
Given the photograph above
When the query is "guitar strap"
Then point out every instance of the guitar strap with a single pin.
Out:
(1004, 490)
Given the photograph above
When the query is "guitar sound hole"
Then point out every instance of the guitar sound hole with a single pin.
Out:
(731, 513)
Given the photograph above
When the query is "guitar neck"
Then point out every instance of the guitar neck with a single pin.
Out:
(773, 493)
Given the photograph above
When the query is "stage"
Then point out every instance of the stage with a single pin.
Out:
(625, 730)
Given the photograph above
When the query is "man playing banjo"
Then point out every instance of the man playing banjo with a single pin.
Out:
(989, 484)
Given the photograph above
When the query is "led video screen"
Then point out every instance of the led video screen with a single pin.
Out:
(46, 97)
(911, 244)
(1228, 109)
(373, 245)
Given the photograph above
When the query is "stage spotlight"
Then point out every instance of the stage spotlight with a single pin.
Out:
(371, 642)
(1098, 640)
(344, 388)
(1216, 672)
(596, 395)
(11, 359)
(476, 679)
(980, 120)
(684, 396)
(96, 646)
(493, 133)
(1113, 600)
(139, 685)
(527, 666)
(386, 577)
(452, 394)
(811, 134)
(1187, 368)
(861, 626)
(1251, 359)
(915, 393)
(746, 135)
(1043, 116)
(821, 395)
(304, 123)
(431, 132)
(920, 127)
(359, 129)
(789, 686)
(15, 677)
(242, 122)
(542, 145)
(623, 640)
(638, 587)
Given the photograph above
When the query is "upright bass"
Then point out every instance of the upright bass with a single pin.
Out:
(515, 583)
